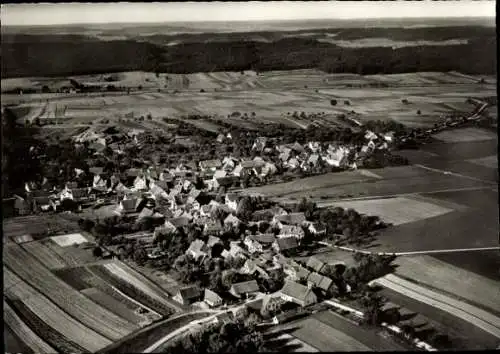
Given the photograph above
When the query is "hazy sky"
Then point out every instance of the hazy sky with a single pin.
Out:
(47, 14)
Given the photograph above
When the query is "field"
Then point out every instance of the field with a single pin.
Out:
(397, 211)
(488, 161)
(465, 135)
(271, 95)
(453, 280)
(465, 335)
(33, 224)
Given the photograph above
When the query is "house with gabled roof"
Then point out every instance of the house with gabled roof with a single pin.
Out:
(212, 298)
(231, 200)
(290, 219)
(319, 281)
(232, 221)
(291, 231)
(285, 244)
(235, 250)
(127, 206)
(99, 183)
(210, 165)
(188, 295)
(316, 228)
(198, 249)
(315, 264)
(245, 288)
(298, 293)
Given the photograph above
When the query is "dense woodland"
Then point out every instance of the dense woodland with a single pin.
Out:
(55, 55)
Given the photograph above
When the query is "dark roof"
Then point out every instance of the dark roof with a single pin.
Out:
(225, 181)
(295, 290)
(245, 287)
(211, 296)
(80, 192)
(133, 172)
(232, 197)
(263, 238)
(287, 243)
(292, 218)
(189, 292)
(129, 204)
(315, 264)
(302, 273)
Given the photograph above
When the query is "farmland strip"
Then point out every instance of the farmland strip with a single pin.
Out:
(112, 305)
(131, 290)
(70, 300)
(44, 254)
(52, 336)
(52, 315)
(21, 329)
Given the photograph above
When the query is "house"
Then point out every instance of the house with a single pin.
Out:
(297, 147)
(320, 281)
(180, 221)
(140, 183)
(298, 293)
(291, 219)
(21, 206)
(293, 163)
(197, 249)
(145, 213)
(232, 221)
(271, 303)
(314, 146)
(156, 253)
(208, 165)
(389, 137)
(268, 169)
(252, 246)
(369, 135)
(259, 144)
(213, 227)
(235, 250)
(212, 298)
(285, 244)
(252, 266)
(99, 183)
(212, 241)
(188, 295)
(301, 273)
(315, 264)
(158, 190)
(96, 171)
(245, 288)
(225, 181)
(128, 206)
(229, 163)
(220, 138)
(231, 200)
(206, 210)
(265, 240)
(291, 231)
(219, 174)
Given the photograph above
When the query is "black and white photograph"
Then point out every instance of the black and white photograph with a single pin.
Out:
(245, 177)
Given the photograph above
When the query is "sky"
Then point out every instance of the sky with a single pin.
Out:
(86, 13)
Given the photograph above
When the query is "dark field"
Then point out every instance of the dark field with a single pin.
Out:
(12, 343)
(469, 335)
(485, 263)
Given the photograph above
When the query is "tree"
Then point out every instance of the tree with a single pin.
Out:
(140, 255)
(419, 112)
(97, 252)
(372, 304)
(333, 102)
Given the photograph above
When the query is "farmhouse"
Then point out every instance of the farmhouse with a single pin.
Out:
(210, 165)
(291, 231)
(212, 298)
(320, 281)
(197, 249)
(187, 295)
(244, 288)
(290, 219)
(298, 293)
(232, 221)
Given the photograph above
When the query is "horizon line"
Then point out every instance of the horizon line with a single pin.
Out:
(242, 21)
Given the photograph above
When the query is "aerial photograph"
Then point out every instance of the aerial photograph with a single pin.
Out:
(222, 177)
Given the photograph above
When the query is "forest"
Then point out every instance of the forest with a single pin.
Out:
(58, 55)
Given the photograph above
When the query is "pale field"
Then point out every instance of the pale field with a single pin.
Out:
(326, 338)
(51, 314)
(465, 135)
(270, 95)
(488, 161)
(69, 240)
(67, 298)
(30, 338)
(455, 281)
(397, 211)
(142, 284)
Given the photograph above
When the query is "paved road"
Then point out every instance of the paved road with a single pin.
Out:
(478, 317)
(455, 174)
